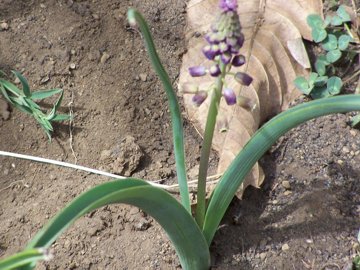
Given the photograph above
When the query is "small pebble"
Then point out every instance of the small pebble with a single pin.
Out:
(72, 66)
(4, 26)
(104, 58)
(345, 149)
(286, 184)
(285, 247)
(287, 192)
(143, 77)
(340, 162)
(263, 256)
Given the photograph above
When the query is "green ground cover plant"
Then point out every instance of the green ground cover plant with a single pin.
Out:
(190, 234)
(26, 101)
(334, 37)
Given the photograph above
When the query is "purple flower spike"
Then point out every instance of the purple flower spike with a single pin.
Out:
(238, 60)
(229, 96)
(243, 78)
(226, 58)
(228, 5)
(215, 71)
(197, 71)
(199, 98)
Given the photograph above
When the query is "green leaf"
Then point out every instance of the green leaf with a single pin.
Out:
(135, 17)
(302, 84)
(321, 81)
(318, 34)
(330, 43)
(24, 83)
(179, 225)
(320, 92)
(333, 56)
(45, 93)
(61, 117)
(334, 85)
(263, 139)
(315, 21)
(23, 258)
(4, 93)
(11, 87)
(354, 122)
(344, 41)
(327, 21)
(336, 21)
(320, 67)
(345, 17)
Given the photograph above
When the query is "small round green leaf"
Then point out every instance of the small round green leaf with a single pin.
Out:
(318, 34)
(321, 81)
(320, 92)
(344, 41)
(336, 21)
(345, 17)
(330, 43)
(333, 56)
(334, 85)
(327, 21)
(313, 76)
(302, 84)
(320, 67)
(315, 21)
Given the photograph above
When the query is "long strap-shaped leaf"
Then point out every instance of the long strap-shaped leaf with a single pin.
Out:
(180, 226)
(23, 258)
(264, 138)
(135, 17)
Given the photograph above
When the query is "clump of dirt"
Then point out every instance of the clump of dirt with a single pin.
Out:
(305, 217)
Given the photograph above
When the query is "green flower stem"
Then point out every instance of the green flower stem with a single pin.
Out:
(135, 17)
(206, 147)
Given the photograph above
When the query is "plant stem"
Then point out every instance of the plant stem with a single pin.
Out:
(206, 147)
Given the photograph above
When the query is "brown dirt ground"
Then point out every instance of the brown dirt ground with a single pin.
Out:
(310, 221)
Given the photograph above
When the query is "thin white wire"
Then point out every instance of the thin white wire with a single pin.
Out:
(74, 166)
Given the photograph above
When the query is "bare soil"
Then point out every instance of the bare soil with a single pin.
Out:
(306, 216)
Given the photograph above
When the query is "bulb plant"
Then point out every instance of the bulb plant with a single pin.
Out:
(25, 100)
(191, 236)
(334, 36)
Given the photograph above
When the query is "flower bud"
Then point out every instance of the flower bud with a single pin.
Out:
(189, 88)
(225, 58)
(209, 54)
(199, 98)
(246, 103)
(223, 47)
(243, 78)
(226, 5)
(229, 96)
(215, 71)
(238, 60)
(197, 71)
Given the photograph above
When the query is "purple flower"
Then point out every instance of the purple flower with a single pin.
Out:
(197, 71)
(226, 5)
(238, 60)
(225, 58)
(199, 98)
(229, 96)
(210, 51)
(243, 78)
(215, 71)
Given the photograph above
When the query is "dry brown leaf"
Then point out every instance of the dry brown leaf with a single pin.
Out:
(275, 55)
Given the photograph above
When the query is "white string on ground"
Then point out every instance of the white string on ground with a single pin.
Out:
(73, 166)
(192, 183)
